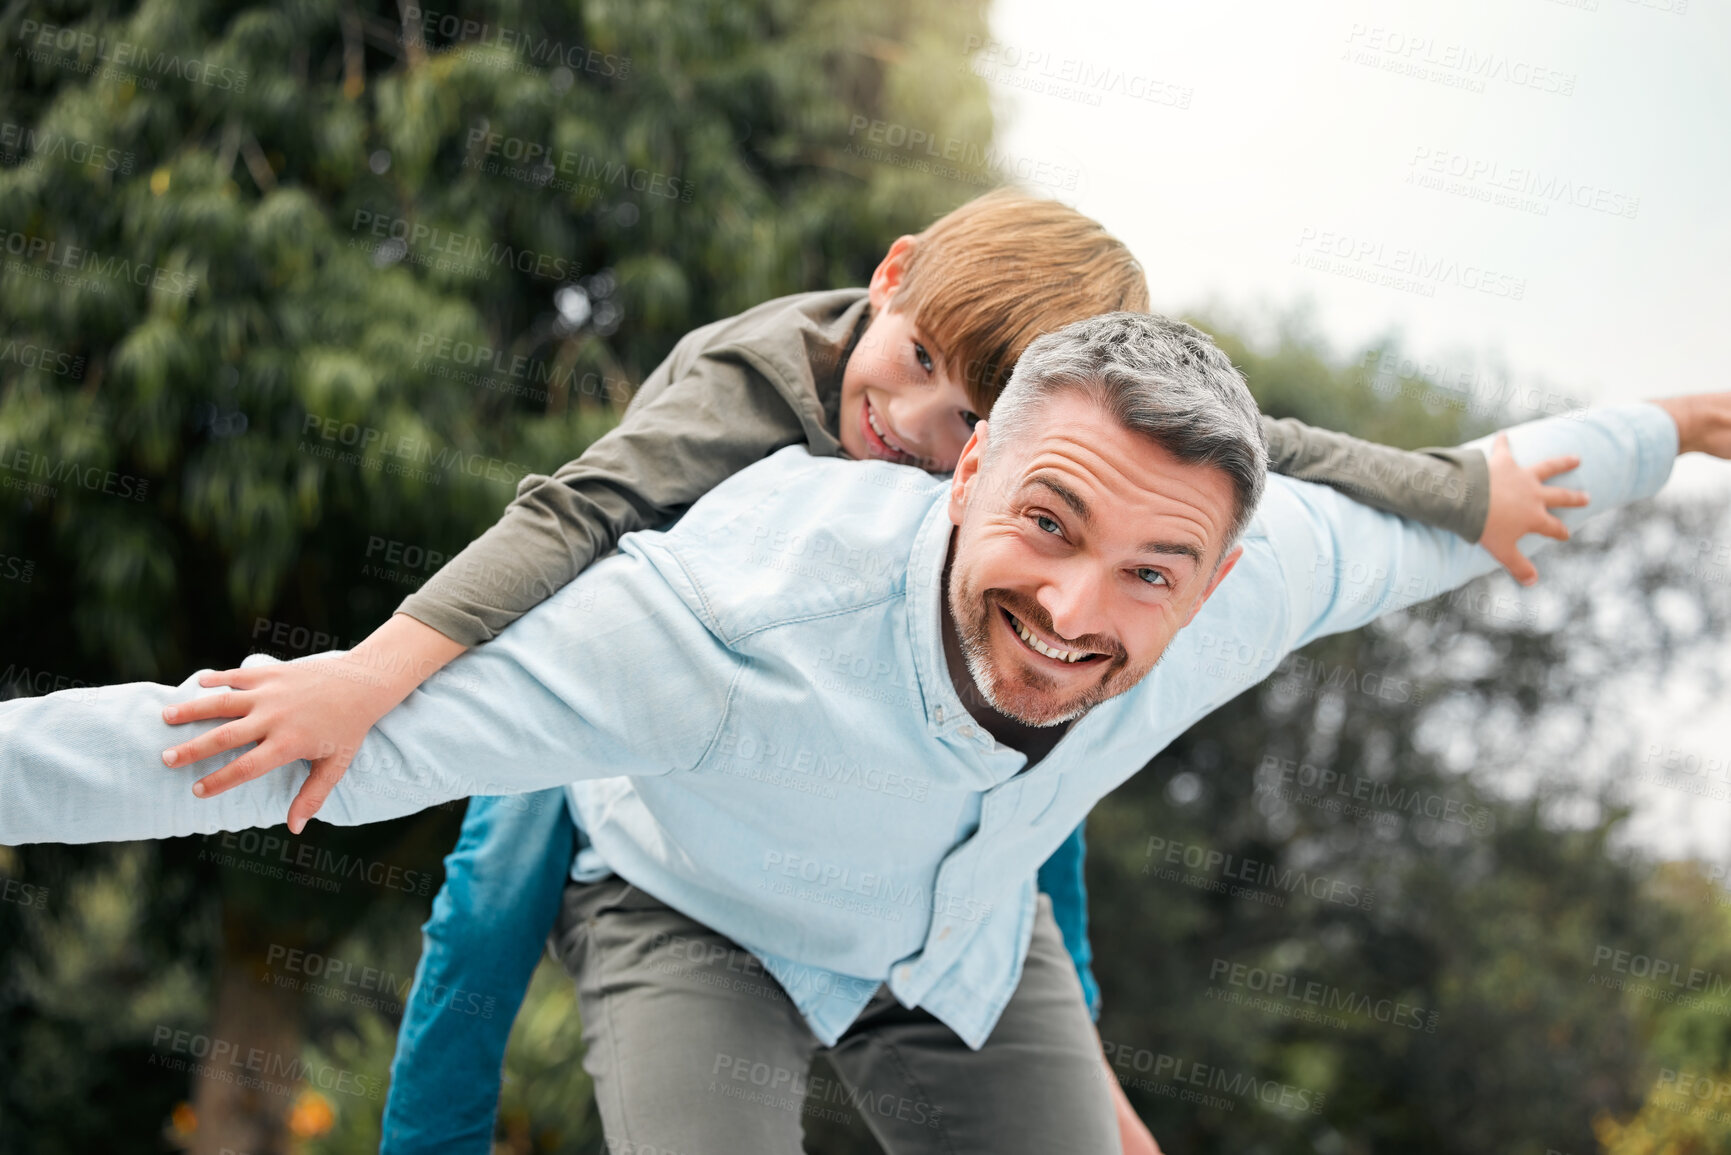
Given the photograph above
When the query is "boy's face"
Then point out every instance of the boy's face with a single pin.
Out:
(899, 401)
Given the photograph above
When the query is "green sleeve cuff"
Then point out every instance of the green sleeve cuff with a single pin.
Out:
(1467, 518)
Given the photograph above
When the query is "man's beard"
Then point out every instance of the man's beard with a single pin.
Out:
(1029, 696)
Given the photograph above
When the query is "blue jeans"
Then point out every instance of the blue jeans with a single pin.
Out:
(502, 891)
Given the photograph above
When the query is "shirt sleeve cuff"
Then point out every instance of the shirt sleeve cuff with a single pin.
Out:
(464, 629)
(1467, 520)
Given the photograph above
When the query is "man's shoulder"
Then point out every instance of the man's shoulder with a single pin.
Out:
(796, 537)
(1288, 514)
(1279, 553)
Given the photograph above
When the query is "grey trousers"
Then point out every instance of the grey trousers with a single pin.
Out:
(695, 1049)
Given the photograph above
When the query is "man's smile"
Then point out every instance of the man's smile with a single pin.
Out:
(1051, 651)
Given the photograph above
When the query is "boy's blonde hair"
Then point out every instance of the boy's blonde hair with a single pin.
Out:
(988, 278)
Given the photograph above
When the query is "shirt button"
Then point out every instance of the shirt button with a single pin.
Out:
(940, 715)
(904, 972)
(966, 731)
(945, 933)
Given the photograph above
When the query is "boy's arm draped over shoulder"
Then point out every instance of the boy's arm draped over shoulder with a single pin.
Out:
(1315, 562)
(730, 394)
(1446, 488)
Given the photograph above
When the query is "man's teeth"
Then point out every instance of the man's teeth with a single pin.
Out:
(1041, 647)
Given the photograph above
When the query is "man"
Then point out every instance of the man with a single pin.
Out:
(965, 673)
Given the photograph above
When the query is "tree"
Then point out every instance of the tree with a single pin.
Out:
(295, 295)
(1432, 810)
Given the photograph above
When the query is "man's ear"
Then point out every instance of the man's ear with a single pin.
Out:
(962, 482)
(888, 276)
(1214, 583)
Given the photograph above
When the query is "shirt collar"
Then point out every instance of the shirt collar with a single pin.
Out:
(946, 717)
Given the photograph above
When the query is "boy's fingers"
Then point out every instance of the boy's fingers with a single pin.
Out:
(1553, 527)
(238, 679)
(1519, 567)
(252, 764)
(211, 742)
(230, 704)
(327, 772)
(1553, 495)
(1552, 466)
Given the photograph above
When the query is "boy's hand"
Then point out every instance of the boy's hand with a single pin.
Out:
(319, 710)
(1133, 1135)
(1521, 503)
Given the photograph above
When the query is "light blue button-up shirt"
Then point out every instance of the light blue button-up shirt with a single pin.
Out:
(758, 716)
(871, 828)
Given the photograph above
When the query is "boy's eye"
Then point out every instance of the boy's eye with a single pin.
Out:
(1152, 576)
(923, 357)
(970, 419)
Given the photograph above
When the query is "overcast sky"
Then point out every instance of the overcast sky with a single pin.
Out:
(1532, 192)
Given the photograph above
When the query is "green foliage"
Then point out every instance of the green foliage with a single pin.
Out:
(205, 310)
(694, 163)
(1486, 914)
(249, 257)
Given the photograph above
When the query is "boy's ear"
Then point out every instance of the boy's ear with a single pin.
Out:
(964, 481)
(888, 276)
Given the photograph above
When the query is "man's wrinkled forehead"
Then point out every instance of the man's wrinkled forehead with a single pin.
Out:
(1124, 483)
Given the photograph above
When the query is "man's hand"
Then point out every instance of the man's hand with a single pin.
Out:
(318, 710)
(1133, 1134)
(1521, 503)
(1703, 422)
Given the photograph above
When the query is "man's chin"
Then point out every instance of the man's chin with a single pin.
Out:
(1043, 714)
(1030, 705)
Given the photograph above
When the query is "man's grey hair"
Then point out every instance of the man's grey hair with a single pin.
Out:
(1158, 377)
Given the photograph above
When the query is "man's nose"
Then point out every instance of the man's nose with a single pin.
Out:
(1073, 599)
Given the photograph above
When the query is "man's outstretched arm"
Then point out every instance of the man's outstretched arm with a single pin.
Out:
(1316, 563)
(1362, 564)
(561, 695)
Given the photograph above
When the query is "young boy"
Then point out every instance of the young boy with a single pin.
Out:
(898, 372)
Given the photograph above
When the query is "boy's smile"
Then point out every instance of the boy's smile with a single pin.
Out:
(879, 441)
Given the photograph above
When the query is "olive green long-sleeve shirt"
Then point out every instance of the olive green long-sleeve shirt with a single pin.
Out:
(736, 390)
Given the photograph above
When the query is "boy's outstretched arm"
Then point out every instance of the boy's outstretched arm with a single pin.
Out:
(1448, 488)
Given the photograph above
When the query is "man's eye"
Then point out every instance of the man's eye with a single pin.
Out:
(970, 418)
(923, 357)
(1050, 525)
(1152, 576)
